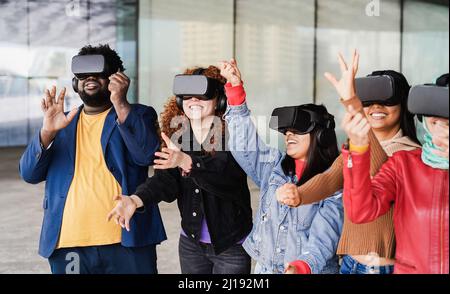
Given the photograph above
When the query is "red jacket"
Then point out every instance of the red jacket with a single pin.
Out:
(420, 197)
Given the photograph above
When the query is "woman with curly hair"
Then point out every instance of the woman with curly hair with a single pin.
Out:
(210, 187)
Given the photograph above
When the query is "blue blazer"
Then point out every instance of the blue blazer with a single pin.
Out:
(128, 150)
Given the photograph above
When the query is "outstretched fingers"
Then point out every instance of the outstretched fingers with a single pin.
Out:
(169, 143)
(48, 98)
(61, 97)
(53, 94)
(342, 63)
(355, 61)
(332, 79)
(237, 71)
(43, 106)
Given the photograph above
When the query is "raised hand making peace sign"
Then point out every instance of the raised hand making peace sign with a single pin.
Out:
(346, 85)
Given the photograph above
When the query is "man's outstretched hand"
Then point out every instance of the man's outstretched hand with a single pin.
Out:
(54, 117)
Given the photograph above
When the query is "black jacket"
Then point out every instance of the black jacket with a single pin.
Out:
(216, 189)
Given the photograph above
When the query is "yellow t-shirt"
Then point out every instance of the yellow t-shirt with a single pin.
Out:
(90, 197)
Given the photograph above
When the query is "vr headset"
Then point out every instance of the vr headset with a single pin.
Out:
(302, 120)
(298, 119)
(199, 86)
(84, 66)
(376, 89)
(429, 100)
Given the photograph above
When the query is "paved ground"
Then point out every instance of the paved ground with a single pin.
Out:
(21, 216)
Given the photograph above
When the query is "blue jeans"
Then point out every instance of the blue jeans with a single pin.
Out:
(352, 267)
(109, 259)
(199, 258)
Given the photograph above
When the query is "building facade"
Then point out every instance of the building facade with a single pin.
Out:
(282, 46)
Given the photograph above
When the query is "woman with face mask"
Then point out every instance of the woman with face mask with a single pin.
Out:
(280, 234)
(414, 182)
(210, 187)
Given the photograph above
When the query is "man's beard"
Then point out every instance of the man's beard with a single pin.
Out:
(101, 98)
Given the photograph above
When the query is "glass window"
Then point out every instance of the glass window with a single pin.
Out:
(425, 40)
(281, 54)
(102, 22)
(276, 56)
(37, 42)
(343, 25)
(57, 29)
(14, 60)
(13, 111)
(275, 52)
(126, 42)
(175, 35)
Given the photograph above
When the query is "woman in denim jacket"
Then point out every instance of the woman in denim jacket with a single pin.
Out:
(308, 234)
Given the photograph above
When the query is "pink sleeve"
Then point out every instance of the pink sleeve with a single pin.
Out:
(236, 95)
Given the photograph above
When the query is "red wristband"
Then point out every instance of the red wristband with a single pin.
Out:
(236, 95)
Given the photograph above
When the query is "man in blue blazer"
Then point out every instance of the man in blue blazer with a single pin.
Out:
(87, 157)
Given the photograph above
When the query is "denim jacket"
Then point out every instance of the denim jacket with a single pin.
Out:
(282, 234)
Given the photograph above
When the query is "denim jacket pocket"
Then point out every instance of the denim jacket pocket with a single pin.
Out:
(276, 181)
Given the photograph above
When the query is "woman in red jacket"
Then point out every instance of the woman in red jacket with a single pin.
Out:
(415, 181)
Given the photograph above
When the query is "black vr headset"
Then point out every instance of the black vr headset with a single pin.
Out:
(302, 120)
(429, 100)
(84, 66)
(199, 86)
(377, 90)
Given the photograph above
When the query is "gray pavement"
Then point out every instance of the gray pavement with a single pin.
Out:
(21, 216)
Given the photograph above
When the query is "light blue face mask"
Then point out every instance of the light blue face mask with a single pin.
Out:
(420, 130)
(428, 157)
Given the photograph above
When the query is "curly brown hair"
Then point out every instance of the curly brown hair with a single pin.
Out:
(171, 109)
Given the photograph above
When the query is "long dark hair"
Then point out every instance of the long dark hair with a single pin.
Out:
(319, 157)
(442, 81)
(402, 88)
